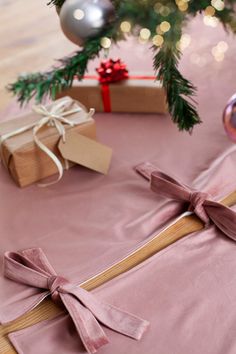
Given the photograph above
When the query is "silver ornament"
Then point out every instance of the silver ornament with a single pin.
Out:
(84, 19)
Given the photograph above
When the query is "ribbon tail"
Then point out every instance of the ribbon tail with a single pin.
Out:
(90, 331)
(51, 155)
(223, 217)
(111, 316)
(106, 98)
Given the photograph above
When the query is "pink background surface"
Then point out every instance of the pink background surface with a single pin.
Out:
(88, 221)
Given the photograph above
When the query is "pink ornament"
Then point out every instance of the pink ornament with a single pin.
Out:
(229, 118)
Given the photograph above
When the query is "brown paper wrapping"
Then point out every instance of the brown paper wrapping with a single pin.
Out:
(128, 96)
(25, 162)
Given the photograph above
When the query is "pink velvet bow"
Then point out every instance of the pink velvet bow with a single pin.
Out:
(198, 202)
(31, 267)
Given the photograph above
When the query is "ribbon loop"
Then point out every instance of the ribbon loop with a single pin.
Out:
(31, 267)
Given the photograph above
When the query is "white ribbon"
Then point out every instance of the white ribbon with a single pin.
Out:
(54, 117)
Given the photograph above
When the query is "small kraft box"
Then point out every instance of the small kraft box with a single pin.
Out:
(28, 142)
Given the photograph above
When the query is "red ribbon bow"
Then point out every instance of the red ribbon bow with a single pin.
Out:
(112, 71)
(199, 203)
(31, 267)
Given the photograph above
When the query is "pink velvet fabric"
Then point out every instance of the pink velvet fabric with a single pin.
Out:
(31, 267)
(88, 221)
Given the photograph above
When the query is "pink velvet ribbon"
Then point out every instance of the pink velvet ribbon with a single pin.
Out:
(31, 267)
(198, 202)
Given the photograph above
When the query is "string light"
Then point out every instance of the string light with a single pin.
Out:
(218, 4)
(182, 5)
(211, 21)
(219, 50)
(125, 26)
(165, 26)
(223, 46)
(184, 41)
(105, 42)
(219, 56)
(165, 11)
(210, 11)
(157, 7)
(158, 40)
(145, 34)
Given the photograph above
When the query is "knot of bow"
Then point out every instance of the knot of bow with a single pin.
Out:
(55, 116)
(31, 267)
(57, 285)
(197, 206)
(199, 203)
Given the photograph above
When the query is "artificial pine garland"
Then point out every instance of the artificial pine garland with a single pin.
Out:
(180, 91)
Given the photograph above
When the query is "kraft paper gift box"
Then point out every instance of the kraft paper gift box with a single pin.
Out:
(137, 94)
(19, 153)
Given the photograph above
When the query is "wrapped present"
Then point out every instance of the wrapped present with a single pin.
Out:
(29, 144)
(114, 90)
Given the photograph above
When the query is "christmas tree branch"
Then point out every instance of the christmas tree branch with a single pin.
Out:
(58, 3)
(179, 90)
(58, 78)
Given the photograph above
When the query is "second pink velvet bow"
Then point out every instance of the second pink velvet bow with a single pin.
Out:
(31, 267)
(198, 202)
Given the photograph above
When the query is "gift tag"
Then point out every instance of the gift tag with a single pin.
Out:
(86, 152)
